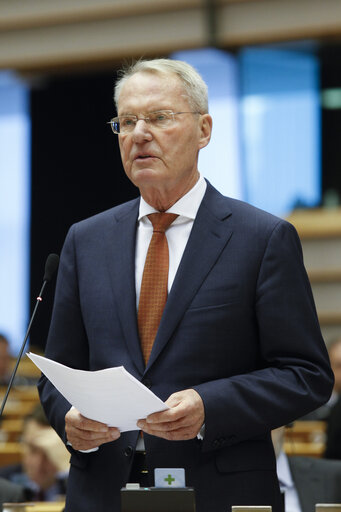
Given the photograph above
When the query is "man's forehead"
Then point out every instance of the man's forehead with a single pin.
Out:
(153, 76)
(148, 95)
(143, 87)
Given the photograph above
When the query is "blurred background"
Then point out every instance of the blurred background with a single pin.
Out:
(273, 68)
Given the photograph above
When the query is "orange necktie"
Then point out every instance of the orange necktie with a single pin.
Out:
(153, 294)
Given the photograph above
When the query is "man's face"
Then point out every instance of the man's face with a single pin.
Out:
(162, 159)
(335, 361)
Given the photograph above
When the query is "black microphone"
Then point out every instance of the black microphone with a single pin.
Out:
(51, 266)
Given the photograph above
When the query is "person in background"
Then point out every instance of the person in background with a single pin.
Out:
(305, 481)
(6, 366)
(333, 433)
(44, 469)
(203, 298)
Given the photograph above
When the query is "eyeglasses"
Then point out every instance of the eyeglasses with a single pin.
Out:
(160, 119)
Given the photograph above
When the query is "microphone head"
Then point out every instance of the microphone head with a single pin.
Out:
(51, 266)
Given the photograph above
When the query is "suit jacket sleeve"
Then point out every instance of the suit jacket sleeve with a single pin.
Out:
(67, 340)
(292, 375)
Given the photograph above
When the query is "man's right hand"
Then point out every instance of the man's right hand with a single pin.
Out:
(85, 434)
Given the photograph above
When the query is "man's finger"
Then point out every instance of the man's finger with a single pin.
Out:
(85, 434)
(83, 440)
(92, 435)
(77, 420)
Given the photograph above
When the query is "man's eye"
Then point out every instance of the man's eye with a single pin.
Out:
(159, 117)
(127, 121)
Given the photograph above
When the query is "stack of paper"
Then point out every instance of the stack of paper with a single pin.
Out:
(112, 396)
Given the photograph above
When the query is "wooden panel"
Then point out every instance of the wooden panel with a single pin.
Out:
(10, 453)
(15, 409)
(101, 41)
(38, 35)
(21, 393)
(38, 506)
(317, 223)
(33, 13)
(305, 438)
(330, 318)
(305, 449)
(269, 21)
(329, 275)
(11, 430)
(27, 369)
(306, 431)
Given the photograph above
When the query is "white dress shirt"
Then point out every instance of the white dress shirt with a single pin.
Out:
(177, 237)
(177, 234)
(287, 484)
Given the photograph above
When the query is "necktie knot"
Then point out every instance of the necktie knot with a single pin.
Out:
(161, 221)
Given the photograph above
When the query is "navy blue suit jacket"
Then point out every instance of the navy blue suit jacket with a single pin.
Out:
(239, 326)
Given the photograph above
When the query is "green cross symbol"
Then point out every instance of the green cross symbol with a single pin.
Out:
(169, 479)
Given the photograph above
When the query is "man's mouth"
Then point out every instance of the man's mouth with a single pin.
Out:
(140, 158)
(143, 156)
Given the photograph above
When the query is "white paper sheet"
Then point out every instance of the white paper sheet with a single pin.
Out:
(112, 396)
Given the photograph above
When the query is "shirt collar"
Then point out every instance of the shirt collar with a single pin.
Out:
(186, 206)
(283, 471)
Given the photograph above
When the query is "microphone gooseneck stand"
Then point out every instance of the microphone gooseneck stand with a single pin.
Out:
(51, 266)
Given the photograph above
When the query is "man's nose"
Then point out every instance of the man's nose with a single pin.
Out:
(141, 132)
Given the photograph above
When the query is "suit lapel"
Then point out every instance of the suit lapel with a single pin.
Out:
(121, 266)
(209, 235)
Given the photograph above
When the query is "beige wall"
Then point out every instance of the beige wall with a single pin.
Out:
(38, 35)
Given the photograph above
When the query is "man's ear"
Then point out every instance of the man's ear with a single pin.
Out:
(206, 130)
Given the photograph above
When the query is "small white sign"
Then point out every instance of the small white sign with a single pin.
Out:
(169, 477)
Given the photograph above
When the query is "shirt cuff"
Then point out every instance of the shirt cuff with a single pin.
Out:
(84, 451)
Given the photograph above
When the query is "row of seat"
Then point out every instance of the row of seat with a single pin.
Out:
(34, 507)
(20, 403)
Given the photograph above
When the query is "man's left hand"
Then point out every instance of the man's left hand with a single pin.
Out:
(181, 422)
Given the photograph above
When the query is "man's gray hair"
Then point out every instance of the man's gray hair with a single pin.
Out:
(194, 86)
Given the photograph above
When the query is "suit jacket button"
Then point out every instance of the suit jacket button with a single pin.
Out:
(128, 451)
(147, 383)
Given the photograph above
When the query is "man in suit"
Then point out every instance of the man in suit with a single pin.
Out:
(306, 481)
(238, 350)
